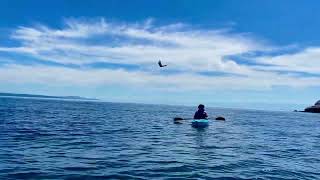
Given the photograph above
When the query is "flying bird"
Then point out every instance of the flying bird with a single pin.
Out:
(160, 64)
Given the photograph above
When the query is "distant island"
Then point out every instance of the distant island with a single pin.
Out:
(44, 96)
(313, 109)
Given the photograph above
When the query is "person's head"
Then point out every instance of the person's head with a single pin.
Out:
(201, 107)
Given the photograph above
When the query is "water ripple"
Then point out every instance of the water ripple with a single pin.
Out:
(51, 139)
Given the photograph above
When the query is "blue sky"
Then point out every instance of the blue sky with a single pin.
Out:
(221, 53)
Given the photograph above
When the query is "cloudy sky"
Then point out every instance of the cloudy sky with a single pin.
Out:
(221, 53)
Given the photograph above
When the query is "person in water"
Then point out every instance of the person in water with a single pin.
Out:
(201, 113)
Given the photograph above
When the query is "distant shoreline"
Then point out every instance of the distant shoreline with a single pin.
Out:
(14, 95)
(249, 106)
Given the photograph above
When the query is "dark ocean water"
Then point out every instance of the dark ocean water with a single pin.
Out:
(54, 139)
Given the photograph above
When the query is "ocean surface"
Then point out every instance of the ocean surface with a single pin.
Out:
(56, 139)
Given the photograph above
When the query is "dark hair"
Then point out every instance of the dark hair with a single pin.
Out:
(201, 106)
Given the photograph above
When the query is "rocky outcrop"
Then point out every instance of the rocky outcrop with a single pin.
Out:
(313, 109)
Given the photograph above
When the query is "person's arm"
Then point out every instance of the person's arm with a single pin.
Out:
(205, 114)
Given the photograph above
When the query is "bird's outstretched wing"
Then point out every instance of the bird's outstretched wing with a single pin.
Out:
(160, 64)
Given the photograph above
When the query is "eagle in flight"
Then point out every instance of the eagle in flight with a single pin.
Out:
(161, 65)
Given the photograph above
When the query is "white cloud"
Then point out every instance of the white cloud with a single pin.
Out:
(62, 76)
(307, 61)
(180, 46)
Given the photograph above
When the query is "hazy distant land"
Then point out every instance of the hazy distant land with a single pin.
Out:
(44, 96)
